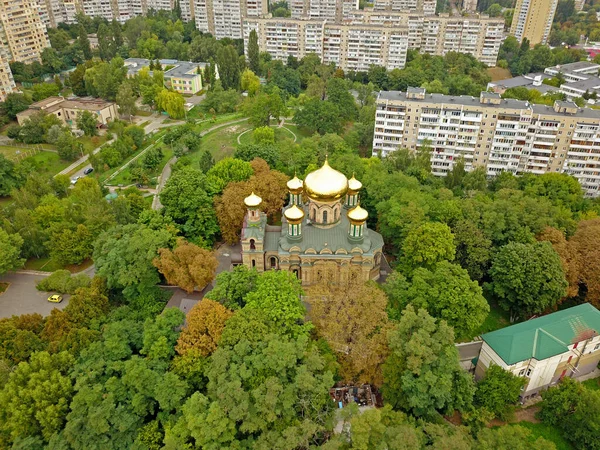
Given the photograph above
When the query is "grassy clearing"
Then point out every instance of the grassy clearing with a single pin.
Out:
(49, 265)
(300, 132)
(280, 134)
(496, 319)
(139, 112)
(593, 384)
(3, 287)
(498, 73)
(124, 177)
(548, 432)
(205, 124)
(222, 142)
(47, 163)
(92, 142)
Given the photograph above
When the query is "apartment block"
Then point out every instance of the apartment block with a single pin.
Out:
(532, 20)
(332, 10)
(377, 37)
(7, 83)
(498, 134)
(223, 18)
(22, 30)
(425, 7)
(546, 349)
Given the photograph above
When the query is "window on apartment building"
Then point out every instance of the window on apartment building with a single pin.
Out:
(494, 116)
(522, 372)
(528, 372)
(596, 347)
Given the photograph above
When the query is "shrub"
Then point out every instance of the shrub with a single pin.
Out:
(63, 282)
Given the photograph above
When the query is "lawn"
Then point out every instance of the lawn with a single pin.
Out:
(124, 177)
(593, 384)
(49, 265)
(47, 163)
(222, 142)
(498, 73)
(205, 124)
(301, 133)
(548, 432)
(280, 134)
(496, 319)
(92, 142)
(142, 113)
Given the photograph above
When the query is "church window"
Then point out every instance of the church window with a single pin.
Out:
(252, 244)
(273, 262)
(324, 216)
(253, 263)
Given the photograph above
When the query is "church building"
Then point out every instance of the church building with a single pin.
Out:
(323, 235)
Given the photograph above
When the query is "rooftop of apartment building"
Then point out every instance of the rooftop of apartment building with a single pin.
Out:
(578, 67)
(529, 81)
(52, 104)
(180, 69)
(419, 95)
(545, 336)
(588, 84)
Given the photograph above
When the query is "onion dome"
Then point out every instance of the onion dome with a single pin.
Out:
(252, 201)
(295, 185)
(294, 214)
(325, 184)
(354, 185)
(358, 214)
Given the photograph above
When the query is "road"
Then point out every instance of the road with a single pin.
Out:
(22, 297)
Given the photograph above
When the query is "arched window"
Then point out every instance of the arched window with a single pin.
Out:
(253, 263)
(273, 262)
(252, 244)
(336, 214)
(324, 216)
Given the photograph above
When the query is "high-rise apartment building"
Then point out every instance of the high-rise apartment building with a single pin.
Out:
(223, 18)
(377, 38)
(22, 31)
(425, 7)
(532, 20)
(498, 134)
(7, 83)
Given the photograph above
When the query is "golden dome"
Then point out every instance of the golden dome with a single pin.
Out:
(253, 200)
(326, 184)
(295, 184)
(358, 214)
(294, 214)
(354, 184)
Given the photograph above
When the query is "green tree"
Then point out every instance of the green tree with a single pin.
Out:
(279, 400)
(172, 103)
(14, 104)
(226, 171)
(277, 296)
(447, 293)
(338, 94)
(473, 248)
(228, 62)
(527, 278)
(126, 100)
(514, 437)
(68, 147)
(498, 392)
(428, 244)
(262, 107)
(84, 42)
(422, 374)
(263, 135)
(10, 249)
(253, 60)
(36, 397)
(576, 410)
(232, 287)
(186, 200)
(9, 179)
(319, 116)
(44, 90)
(124, 254)
(71, 245)
(86, 122)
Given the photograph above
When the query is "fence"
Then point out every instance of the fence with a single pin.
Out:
(24, 151)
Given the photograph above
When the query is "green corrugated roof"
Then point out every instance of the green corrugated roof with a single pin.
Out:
(545, 336)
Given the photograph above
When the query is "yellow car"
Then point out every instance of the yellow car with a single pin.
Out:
(55, 298)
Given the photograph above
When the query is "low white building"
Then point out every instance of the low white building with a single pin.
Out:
(544, 350)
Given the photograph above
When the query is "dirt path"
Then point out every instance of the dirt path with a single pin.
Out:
(521, 415)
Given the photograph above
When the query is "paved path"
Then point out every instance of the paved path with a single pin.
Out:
(22, 297)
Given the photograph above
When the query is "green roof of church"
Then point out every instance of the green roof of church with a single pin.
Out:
(545, 336)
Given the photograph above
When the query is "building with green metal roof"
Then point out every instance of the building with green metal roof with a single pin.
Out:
(545, 349)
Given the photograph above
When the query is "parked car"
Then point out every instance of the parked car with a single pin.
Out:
(88, 170)
(55, 298)
(74, 180)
